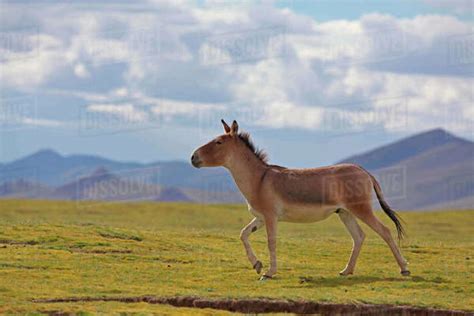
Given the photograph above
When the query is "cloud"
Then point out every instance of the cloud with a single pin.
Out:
(124, 111)
(29, 58)
(42, 122)
(344, 64)
(81, 71)
(172, 107)
(178, 60)
(140, 108)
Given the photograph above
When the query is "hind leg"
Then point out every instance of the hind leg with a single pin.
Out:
(365, 213)
(358, 237)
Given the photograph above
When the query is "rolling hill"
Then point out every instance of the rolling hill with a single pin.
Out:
(436, 167)
(430, 170)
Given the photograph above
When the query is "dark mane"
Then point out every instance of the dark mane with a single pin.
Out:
(259, 153)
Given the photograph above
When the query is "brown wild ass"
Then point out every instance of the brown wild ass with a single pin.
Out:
(275, 193)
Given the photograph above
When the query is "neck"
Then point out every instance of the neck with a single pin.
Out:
(247, 171)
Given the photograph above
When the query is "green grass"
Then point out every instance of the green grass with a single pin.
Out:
(62, 249)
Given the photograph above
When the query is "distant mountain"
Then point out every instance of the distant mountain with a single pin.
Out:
(168, 181)
(396, 152)
(102, 185)
(171, 194)
(50, 175)
(52, 169)
(435, 169)
(430, 170)
(24, 189)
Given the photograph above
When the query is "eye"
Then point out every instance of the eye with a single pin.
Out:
(218, 142)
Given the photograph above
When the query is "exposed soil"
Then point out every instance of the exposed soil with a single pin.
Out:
(264, 305)
(17, 242)
(102, 251)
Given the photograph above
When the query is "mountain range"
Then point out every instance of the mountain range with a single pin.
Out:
(436, 170)
(430, 170)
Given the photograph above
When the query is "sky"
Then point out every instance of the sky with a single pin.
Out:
(312, 81)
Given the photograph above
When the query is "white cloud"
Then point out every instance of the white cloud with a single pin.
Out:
(172, 107)
(325, 68)
(336, 67)
(229, 15)
(125, 111)
(81, 71)
(142, 108)
(29, 59)
(42, 122)
(121, 92)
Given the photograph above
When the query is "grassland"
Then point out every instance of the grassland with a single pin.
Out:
(63, 249)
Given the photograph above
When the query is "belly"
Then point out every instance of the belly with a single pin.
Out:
(306, 213)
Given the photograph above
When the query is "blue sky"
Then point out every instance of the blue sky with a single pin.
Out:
(347, 9)
(313, 81)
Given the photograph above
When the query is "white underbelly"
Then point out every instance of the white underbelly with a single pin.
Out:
(306, 213)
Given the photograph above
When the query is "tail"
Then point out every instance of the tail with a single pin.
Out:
(386, 208)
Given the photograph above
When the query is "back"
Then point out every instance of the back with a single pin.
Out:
(320, 186)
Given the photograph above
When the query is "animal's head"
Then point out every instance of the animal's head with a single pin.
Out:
(218, 151)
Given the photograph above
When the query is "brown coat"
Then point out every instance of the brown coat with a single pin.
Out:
(276, 193)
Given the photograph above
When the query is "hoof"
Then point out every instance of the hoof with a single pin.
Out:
(405, 273)
(345, 273)
(265, 277)
(258, 266)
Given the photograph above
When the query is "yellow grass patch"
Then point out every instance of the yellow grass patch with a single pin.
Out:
(54, 249)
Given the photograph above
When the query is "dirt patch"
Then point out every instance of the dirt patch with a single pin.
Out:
(102, 251)
(172, 260)
(17, 266)
(109, 233)
(423, 251)
(264, 305)
(18, 242)
(57, 313)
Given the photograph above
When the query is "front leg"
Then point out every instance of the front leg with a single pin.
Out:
(255, 224)
(271, 225)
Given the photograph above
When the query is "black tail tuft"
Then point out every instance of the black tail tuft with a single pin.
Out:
(393, 216)
(387, 209)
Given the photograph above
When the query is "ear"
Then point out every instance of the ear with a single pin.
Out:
(226, 127)
(235, 127)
